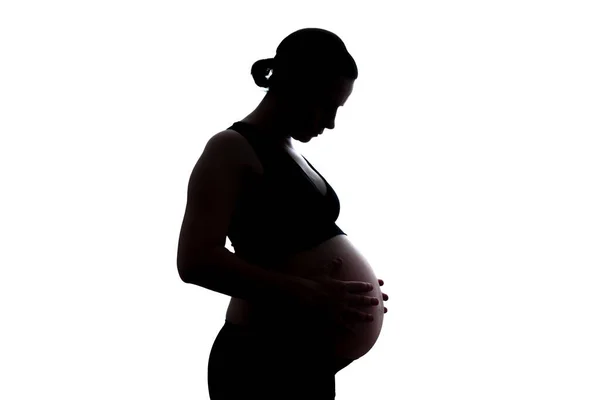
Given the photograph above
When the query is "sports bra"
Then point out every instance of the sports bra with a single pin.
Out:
(280, 212)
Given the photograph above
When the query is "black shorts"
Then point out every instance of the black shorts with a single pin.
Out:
(271, 363)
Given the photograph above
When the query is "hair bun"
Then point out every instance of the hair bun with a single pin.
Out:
(260, 70)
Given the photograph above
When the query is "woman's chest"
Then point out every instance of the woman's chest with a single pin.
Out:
(299, 164)
(316, 180)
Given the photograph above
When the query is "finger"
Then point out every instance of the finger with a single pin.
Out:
(356, 315)
(366, 317)
(343, 323)
(347, 328)
(354, 286)
(335, 263)
(358, 300)
(329, 266)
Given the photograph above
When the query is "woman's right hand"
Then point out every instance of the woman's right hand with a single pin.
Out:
(335, 299)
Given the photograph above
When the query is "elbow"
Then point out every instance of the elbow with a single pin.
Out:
(184, 265)
(188, 272)
(185, 268)
(183, 273)
(188, 269)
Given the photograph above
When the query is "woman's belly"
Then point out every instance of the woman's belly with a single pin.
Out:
(355, 267)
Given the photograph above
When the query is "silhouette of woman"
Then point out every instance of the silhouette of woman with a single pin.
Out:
(282, 220)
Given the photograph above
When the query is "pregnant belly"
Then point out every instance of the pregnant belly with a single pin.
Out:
(355, 267)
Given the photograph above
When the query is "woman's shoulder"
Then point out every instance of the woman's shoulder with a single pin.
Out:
(238, 149)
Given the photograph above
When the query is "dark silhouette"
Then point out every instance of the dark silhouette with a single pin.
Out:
(286, 357)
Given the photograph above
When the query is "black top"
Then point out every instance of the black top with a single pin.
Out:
(280, 212)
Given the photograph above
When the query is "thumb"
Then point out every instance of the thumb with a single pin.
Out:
(333, 265)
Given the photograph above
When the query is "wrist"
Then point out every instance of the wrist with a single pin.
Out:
(304, 292)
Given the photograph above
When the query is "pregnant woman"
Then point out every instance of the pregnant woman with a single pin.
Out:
(304, 302)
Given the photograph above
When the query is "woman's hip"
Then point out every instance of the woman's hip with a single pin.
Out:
(273, 343)
(250, 360)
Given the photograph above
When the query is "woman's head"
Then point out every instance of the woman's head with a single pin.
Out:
(311, 75)
(306, 62)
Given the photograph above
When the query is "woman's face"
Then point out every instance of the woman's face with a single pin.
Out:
(312, 113)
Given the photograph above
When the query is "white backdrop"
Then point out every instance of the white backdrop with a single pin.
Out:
(466, 162)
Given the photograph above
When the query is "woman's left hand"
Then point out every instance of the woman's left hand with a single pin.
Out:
(385, 296)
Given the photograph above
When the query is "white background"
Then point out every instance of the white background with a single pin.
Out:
(466, 162)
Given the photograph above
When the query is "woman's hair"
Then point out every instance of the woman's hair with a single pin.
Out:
(305, 60)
